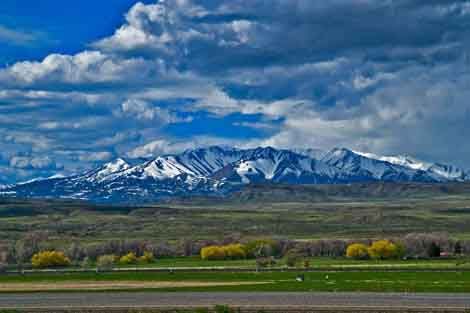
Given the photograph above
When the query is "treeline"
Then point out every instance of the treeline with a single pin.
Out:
(378, 250)
(38, 246)
(21, 252)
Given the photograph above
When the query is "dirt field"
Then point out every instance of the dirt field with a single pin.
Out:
(112, 285)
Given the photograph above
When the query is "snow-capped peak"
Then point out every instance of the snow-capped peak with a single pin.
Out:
(217, 170)
(401, 160)
(447, 172)
(268, 164)
(207, 161)
(363, 166)
(107, 169)
(165, 167)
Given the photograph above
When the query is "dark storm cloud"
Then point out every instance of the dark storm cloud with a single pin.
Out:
(262, 33)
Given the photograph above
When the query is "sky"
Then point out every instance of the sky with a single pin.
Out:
(85, 82)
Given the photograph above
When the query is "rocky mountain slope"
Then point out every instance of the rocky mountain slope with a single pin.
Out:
(220, 171)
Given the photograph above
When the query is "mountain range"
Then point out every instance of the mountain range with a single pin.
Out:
(219, 171)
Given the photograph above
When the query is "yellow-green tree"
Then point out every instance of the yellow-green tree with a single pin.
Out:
(357, 251)
(129, 258)
(235, 251)
(147, 257)
(213, 253)
(46, 259)
(232, 252)
(105, 262)
(385, 249)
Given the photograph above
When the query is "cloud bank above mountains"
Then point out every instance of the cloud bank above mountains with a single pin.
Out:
(381, 76)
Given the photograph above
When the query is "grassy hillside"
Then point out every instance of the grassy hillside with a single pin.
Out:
(350, 192)
(343, 211)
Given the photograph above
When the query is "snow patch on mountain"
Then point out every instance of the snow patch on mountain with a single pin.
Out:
(363, 167)
(110, 168)
(280, 166)
(440, 171)
(207, 161)
(398, 160)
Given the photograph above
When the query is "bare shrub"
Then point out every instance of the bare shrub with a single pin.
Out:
(420, 245)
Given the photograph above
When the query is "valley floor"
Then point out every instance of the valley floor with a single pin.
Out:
(368, 218)
(457, 281)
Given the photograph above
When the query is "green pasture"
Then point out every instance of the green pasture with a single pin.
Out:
(314, 263)
(364, 281)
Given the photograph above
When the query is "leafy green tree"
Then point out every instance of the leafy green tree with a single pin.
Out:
(262, 248)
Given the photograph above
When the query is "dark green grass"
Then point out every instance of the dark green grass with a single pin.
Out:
(195, 261)
(315, 263)
(366, 281)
